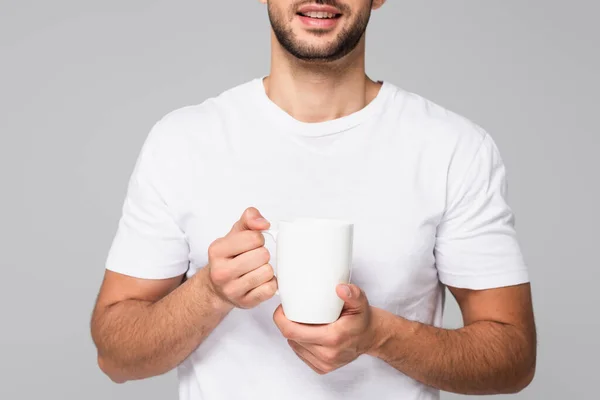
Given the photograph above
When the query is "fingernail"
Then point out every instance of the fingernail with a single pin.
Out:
(347, 290)
(261, 220)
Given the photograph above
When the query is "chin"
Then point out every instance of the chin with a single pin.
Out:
(321, 42)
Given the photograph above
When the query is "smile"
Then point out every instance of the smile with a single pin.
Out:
(319, 15)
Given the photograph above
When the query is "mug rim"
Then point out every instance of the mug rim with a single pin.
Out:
(325, 221)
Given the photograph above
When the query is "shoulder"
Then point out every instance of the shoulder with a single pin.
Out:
(437, 126)
(187, 124)
(448, 144)
(190, 117)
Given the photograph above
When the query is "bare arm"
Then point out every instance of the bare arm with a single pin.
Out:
(495, 352)
(144, 328)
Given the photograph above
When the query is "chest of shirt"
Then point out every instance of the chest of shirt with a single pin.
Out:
(394, 213)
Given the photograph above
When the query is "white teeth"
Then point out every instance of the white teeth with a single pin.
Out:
(319, 14)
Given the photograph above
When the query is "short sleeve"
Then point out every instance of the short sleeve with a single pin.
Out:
(149, 244)
(476, 244)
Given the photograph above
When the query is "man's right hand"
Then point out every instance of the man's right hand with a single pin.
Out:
(238, 264)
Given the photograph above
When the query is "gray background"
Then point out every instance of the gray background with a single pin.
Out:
(81, 83)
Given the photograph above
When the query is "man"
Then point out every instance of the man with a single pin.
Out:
(424, 187)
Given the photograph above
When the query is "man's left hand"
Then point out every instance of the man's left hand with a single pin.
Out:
(328, 347)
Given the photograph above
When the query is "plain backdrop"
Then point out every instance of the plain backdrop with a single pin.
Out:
(81, 83)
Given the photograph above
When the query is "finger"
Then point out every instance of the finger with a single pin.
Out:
(255, 278)
(260, 294)
(314, 349)
(308, 357)
(249, 261)
(354, 298)
(305, 361)
(238, 243)
(251, 219)
(314, 334)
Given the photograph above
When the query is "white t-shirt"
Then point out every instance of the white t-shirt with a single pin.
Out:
(424, 187)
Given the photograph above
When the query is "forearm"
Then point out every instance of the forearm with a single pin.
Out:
(138, 339)
(482, 358)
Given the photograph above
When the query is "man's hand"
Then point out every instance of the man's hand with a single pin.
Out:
(328, 347)
(238, 263)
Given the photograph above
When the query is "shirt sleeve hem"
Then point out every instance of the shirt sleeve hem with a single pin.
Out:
(146, 273)
(490, 281)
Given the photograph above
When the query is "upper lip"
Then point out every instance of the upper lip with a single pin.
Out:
(317, 7)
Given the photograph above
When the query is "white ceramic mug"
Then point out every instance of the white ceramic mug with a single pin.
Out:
(313, 256)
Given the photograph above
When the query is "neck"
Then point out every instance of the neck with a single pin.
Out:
(317, 92)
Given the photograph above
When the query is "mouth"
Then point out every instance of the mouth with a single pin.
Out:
(318, 16)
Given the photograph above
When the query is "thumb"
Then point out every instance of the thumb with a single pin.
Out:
(251, 219)
(354, 298)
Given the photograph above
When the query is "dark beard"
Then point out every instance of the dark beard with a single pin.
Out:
(346, 41)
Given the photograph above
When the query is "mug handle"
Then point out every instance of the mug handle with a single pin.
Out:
(273, 234)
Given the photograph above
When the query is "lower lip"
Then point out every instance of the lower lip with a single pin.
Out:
(322, 23)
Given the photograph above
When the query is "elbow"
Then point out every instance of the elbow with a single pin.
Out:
(526, 367)
(109, 370)
(121, 373)
(524, 381)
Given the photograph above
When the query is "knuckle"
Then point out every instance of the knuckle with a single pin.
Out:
(336, 339)
(268, 272)
(266, 293)
(243, 300)
(244, 305)
(271, 287)
(220, 275)
(213, 249)
(329, 356)
(261, 293)
(229, 292)
(257, 239)
(259, 277)
(255, 281)
(259, 296)
(248, 302)
(264, 255)
(232, 240)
